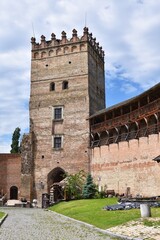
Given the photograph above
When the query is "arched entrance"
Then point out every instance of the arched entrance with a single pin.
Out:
(55, 186)
(14, 192)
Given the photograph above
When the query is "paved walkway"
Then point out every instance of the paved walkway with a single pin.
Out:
(37, 224)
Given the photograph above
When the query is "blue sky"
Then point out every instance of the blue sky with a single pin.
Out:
(128, 31)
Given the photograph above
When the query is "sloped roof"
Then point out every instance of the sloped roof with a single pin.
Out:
(128, 101)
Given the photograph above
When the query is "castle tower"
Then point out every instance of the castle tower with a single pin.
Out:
(67, 86)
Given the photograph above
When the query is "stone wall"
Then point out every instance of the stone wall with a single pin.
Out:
(128, 165)
(27, 167)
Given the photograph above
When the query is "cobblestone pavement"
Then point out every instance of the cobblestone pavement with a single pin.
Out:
(37, 224)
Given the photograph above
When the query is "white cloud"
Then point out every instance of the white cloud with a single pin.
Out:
(128, 31)
(133, 41)
(128, 88)
(5, 147)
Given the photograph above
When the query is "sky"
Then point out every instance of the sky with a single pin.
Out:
(127, 30)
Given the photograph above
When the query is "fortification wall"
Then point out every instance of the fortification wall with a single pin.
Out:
(128, 165)
(10, 172)
(3, 172)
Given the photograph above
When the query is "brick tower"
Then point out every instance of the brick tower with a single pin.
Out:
(67, 86)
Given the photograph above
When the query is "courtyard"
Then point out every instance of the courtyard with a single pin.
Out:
(39, 224)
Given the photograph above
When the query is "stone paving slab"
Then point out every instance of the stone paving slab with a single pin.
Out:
(37, 224)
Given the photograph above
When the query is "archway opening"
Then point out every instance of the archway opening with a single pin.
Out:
(104, 136)
(113, 135)
(55, 184)
(133, 131)
(153, 124)
(96, 140)
(143, 128)
(14, 192)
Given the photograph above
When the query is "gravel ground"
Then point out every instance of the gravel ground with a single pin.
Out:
(136, 229)
(37, 224)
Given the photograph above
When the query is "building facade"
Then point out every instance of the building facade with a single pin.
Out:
(10, 175)
(67, 86)
(71, 130)
(125, 141)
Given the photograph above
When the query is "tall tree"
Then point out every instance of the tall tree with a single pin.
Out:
(15, 148)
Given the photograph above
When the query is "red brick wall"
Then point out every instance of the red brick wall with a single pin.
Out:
(3, 173)
(10, 172)
(128, 164)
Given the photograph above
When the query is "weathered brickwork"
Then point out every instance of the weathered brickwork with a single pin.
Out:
(66, 75)
(128, 165)
(10, 173)
(26, 154)
(27, 167)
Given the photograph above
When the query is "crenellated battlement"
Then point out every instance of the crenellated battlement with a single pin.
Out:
(58, 43)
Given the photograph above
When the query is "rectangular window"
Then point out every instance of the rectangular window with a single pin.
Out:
(57, 113)
(57, 142)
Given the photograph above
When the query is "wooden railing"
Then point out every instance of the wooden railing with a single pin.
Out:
(142, 132)
(135, 115)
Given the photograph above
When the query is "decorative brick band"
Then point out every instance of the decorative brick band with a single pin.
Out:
(87, 37)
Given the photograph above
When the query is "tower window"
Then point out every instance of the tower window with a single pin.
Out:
(57, 142)
(58, 113)
(52, 86)
(65, 85)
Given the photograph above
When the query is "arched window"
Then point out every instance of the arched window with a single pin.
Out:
(65, 85)
(52, 86)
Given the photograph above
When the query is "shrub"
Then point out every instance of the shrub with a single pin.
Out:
(89, 189)
(74, 185)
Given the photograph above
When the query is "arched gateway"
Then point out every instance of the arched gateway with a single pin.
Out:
(55, 186)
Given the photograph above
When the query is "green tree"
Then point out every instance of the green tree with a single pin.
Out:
(89, 189)
(15, 148)
(74, 185)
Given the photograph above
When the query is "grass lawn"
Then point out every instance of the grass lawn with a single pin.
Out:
(90, 211)
(1, 214)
